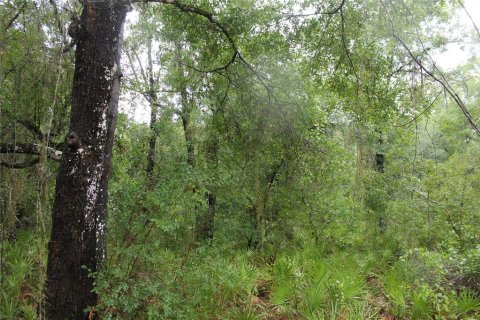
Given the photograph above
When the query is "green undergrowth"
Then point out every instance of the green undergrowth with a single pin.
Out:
(22, 277)
(208, 282)
(305, 283)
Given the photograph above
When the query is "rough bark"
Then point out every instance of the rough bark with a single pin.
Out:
(77, 245)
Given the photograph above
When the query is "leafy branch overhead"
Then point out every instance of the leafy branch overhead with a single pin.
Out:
(214, 21)
(445, 85)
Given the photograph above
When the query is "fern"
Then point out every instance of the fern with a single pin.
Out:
(467, 302)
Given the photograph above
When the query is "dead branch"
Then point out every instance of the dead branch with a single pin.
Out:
(30, 148)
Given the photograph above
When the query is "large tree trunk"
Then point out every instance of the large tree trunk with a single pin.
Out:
(77, 245)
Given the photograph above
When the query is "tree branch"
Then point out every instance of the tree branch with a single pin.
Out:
(347, 51)
(15, 16)
(210, 17)
(142, 71)
(470, 17)
(27, 124)
(21, 165)
(316, 13)
(444, 83)
(337, 8)
(57, 18)
(451, 92)
(422, 112)
(190, 9)
(29, 148)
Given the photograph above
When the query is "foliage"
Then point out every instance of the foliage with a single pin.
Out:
(344, 185)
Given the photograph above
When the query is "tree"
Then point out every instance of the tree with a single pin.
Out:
(146, 79)
(77, 244)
